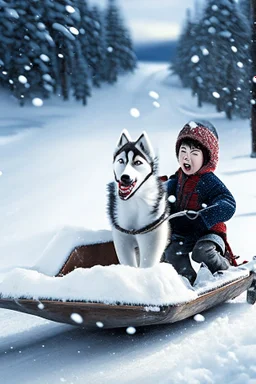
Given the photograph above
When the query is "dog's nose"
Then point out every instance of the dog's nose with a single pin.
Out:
(126, 180)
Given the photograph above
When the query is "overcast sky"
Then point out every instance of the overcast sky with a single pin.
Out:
(151, 20)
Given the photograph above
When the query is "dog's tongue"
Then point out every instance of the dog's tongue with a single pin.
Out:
(125, 190)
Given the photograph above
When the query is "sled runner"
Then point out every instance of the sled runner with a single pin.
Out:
(93, 315)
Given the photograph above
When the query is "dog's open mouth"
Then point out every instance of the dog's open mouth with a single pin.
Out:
(125, 190)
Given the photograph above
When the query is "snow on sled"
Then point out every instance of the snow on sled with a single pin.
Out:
(91, 289)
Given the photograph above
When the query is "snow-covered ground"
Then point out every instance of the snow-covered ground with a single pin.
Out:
(55, 162)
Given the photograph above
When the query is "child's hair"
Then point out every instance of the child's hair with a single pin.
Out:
(194, 143)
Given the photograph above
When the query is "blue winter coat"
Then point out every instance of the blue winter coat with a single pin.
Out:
(208, 191)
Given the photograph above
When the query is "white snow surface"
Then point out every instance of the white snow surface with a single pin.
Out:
(159, 285)
(55, 162)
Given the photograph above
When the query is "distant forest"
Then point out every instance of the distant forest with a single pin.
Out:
(164, 51)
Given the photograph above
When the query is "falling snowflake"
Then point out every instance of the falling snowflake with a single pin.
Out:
(195, 59)
(199, 318)
(154, 95)
(134, 112)
(74, 31)
(172, 199)
(205, 51)
(44, 58)
(130, 330)
(99, 324)
(37, 102)
(216, 95)
(70, 9)
(22, 79)
(76, 318)
(156, 104)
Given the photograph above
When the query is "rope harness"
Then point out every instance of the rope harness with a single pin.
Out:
(157, 223)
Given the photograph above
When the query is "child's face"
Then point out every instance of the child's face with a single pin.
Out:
(190, 159)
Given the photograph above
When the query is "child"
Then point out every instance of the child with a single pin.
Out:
(195, 187)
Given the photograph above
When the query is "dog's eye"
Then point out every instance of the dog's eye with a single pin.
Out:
(137, 162)
(120, 161)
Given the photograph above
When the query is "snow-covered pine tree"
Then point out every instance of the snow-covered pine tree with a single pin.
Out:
(80, 77)
(253, 94)
(98, 48)
(91, 38)
(27, 51)
(184, 51)
(61, 20)
(42, 74)
(7, 14)
(221, 58)
(246, 8)
(128, 60)
(114, 38)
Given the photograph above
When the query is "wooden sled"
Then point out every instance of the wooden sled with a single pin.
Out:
(94, 315)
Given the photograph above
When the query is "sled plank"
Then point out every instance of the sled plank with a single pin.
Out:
(114, 316)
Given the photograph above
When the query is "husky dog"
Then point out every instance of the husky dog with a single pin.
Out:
(137, 204)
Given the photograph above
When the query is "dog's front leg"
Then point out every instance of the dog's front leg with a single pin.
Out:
(125, 248)
(152, 245)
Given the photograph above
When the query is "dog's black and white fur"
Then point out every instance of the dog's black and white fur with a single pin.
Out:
(137, 204)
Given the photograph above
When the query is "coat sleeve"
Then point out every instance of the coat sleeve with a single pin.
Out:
(171, 185)
(220, 203)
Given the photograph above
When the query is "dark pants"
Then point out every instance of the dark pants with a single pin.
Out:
(204, 251)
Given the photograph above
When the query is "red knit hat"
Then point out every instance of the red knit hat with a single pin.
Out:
(205, 134)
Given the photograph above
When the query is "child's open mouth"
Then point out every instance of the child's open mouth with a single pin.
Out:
(187, 166)
(125, 190)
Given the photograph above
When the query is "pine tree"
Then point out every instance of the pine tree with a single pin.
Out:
(27, 58)
(59, 46)
(62, 22)
(120, 56)
(7, 26)
(128, 60)
(184, 52)
(80, 78)
(219, 58)
(246, 9)
(98, 47)
(91, 38)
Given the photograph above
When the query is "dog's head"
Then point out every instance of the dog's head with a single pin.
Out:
(134, 163)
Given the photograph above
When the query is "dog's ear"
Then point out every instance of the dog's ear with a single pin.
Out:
(144, 145)
(124, 139)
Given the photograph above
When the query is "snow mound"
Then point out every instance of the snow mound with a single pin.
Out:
(63, 243)
(159, 285)
(206, 282)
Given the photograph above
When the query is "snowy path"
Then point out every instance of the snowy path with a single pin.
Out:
(56, 164)
(113, 356)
